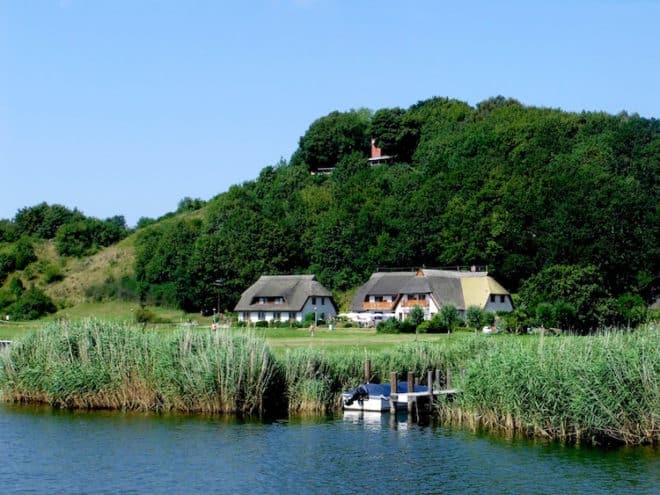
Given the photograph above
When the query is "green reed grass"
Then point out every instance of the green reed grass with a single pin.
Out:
(95, 364)
(598, 389)
(315, 380)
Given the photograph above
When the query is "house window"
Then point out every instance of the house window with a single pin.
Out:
(292, 316)
(246, 316)
(492, 298)
(261, 316)
(379, 298)
(262, 300)
(502, 298)
(314, 300)
(276, 316)
(279, 300)
(322, 301)
(422, 297)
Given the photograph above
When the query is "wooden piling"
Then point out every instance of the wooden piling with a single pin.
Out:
(411, 388)
(448, 382)
(367, 371)
(393, 393)
(429, 382)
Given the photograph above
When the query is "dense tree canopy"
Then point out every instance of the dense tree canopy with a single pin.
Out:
(524, 190)
(330, 138)
(547, 199)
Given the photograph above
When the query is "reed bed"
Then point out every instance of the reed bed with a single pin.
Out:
(95, 364)
(315, 380)
(600, 389)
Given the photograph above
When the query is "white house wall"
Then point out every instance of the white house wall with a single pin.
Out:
(323, 306)
(402, 312)
(269, 316)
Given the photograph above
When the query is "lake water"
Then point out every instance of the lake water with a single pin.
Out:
(46, 451)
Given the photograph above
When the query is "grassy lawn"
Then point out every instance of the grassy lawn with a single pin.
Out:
(115, 311)
(279, 339)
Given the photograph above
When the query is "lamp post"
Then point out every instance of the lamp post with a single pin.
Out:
(315, 317)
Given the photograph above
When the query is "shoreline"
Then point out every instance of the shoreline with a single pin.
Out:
(597, 390)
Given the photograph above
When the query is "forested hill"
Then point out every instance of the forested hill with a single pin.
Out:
(527, 191)
(559, 205)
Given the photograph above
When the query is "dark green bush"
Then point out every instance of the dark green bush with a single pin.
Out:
(33, 270)
(144, 315)
(85, 237)
(487, 318)
(24, 253)
(7, 265)
(407, 326)
(388, 326)
(32, 304)
(424, 327)
(308, 318)
(164, 294)
(261, 324)
(435, 325)
(16, 287)
(52, 274)
(6, 299)
(124, 288)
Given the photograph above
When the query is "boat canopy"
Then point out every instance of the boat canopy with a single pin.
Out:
(384, 389)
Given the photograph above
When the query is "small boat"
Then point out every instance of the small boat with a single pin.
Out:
(376, 396)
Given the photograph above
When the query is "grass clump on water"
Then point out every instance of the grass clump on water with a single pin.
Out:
(598, 389)
(99, 364)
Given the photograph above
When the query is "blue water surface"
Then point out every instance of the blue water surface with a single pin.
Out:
(49, 451)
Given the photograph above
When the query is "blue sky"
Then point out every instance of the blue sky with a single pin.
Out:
(126, 107)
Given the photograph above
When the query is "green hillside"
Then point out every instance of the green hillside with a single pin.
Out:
(561, 206)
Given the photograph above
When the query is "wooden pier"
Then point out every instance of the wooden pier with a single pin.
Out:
(414, 398)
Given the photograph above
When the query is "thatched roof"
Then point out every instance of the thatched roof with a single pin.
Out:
(294, 289)
(461, 289)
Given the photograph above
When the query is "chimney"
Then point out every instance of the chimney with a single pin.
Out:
(375, 150)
